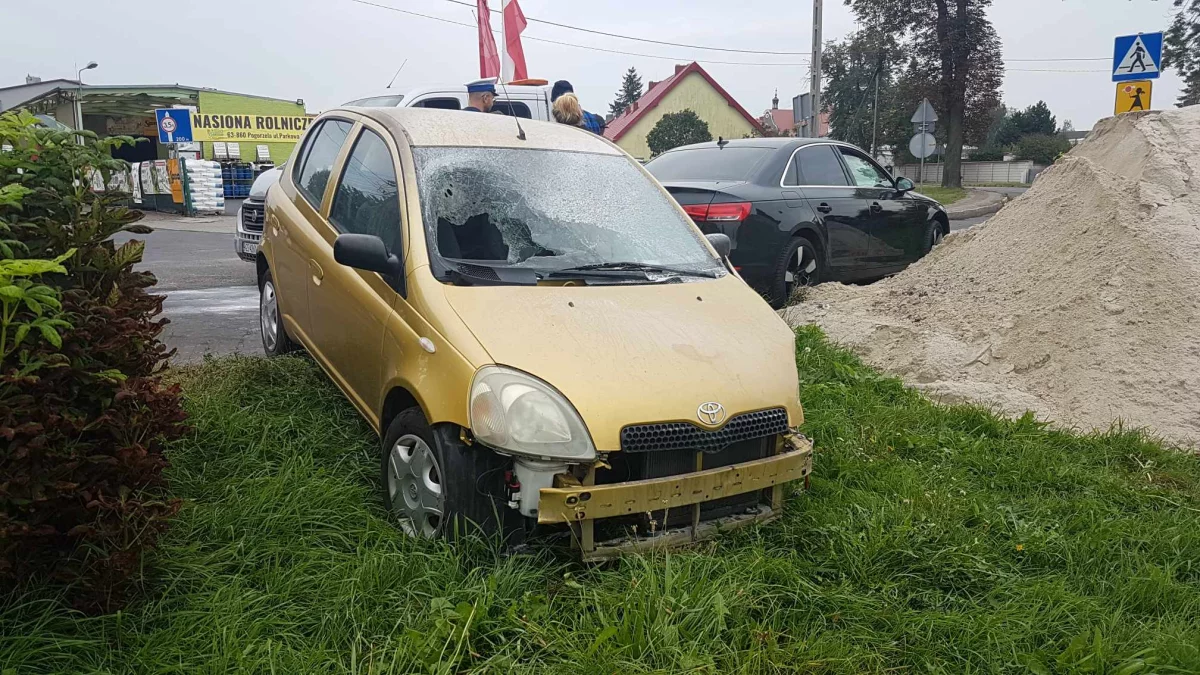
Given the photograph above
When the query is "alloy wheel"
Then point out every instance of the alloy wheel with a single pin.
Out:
(936, 237)
(268, 315)
(414, 487)
(800, 269)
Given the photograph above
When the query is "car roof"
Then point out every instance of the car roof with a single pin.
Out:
(789, 142)
(433, 127)
(415, 92)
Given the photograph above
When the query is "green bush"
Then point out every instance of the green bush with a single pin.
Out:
(84, 413)
(1042, 149)
(987, 155)
(676, 129)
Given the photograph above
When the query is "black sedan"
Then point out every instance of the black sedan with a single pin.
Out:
(800, 211)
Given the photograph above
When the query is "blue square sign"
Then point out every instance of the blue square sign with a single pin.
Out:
(1137, 57)
(174, 125)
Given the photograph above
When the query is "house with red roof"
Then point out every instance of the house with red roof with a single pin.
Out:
(689, 88)
(781, 122)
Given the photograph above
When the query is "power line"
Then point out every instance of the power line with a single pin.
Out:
(689, 58)
(676, 59)
(638, 39)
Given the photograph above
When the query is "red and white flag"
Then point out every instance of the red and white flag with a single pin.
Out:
(489, 57)
(514, 55)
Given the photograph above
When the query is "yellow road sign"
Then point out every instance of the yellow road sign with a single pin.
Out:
(1133, 95)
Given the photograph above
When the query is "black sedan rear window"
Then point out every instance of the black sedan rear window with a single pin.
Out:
(713, 163)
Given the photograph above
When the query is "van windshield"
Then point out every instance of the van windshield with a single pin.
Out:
(549, 211)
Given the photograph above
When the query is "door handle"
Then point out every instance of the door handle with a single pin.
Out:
(824, 208)
(876, 207)
(317, 273)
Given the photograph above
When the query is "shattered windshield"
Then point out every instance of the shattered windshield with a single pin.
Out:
(550, 210)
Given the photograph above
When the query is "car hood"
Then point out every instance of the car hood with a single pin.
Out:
(632, 354)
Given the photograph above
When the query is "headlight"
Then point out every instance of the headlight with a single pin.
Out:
(518, 413)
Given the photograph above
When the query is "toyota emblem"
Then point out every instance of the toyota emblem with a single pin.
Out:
(711, 413)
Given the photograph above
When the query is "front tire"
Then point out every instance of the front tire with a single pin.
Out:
(933, 236)
(799, 265)
(436, 486)
(274, 336)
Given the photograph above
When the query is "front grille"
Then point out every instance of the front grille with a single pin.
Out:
(253, 215)
(631, 467)
(688, 436)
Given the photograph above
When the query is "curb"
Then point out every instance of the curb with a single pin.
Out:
(984, 210)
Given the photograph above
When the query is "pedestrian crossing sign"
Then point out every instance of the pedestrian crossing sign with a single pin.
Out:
(1133, 96)
(1137, 57)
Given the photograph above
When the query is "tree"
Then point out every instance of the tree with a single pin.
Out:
(954, 49)
(1042, 148)
(676, 129)
(1182, 49)
(631, 90)
(1037, 119)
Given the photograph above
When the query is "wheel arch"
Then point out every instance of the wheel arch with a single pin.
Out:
(943, 222)
(811, 233)
(398, 399)
(260, 266)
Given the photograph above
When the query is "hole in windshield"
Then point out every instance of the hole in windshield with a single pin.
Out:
(551, 210)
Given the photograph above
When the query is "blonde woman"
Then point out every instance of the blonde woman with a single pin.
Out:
(567, 110)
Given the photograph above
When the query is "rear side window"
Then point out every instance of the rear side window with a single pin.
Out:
(367, 200)
(512, 109)
(819, 165)
(708, 164)
(319, 158)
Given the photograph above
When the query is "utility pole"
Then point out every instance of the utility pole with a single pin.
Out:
(875, 112)
(815, 85)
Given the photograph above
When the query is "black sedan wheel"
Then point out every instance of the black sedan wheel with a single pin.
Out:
(798, 266)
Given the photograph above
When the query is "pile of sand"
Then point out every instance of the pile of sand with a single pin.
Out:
(1079, 300)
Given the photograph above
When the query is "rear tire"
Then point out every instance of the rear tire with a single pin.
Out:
(799, 264)
(436, 486)
(275, 339)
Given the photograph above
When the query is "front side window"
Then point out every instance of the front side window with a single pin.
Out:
(818, 165)
(549, 211)
(367, 200)
(512, 109)
(864, 171)
(319, 158)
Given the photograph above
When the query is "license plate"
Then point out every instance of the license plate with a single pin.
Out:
(250, 247)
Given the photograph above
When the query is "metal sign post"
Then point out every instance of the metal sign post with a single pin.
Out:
(923, 143)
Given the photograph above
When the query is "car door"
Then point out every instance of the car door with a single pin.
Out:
(297, 238)
(350, 307)
(819, 175)
(897, 223)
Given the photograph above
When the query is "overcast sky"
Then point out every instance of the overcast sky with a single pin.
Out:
(329, 51)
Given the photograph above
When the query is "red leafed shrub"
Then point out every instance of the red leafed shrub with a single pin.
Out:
(84, 413)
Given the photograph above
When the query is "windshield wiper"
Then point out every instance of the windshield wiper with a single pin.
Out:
(632, 267)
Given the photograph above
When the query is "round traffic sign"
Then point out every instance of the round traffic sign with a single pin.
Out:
(922, 145)
(168, 124)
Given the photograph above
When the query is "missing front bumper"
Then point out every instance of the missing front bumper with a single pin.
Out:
(582, 505)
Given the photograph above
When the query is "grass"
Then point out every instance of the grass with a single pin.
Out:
(944, 195)
(933, 539)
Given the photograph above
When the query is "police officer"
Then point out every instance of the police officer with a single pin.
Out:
(481, 94)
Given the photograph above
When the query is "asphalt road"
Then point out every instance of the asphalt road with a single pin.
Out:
(212, 299)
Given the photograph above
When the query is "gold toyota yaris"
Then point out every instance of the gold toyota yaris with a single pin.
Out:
(541, 337)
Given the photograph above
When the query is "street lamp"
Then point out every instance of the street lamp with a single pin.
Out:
(79, 95)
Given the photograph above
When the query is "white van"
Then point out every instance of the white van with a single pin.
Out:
(530, 101)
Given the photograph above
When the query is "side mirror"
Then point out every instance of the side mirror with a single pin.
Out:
(366, 252)
(904, 185)
(721, 243)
